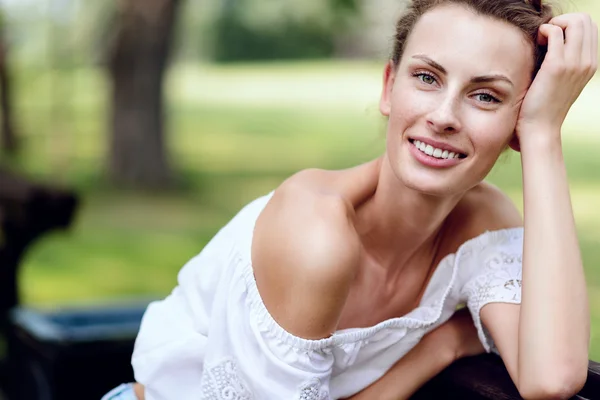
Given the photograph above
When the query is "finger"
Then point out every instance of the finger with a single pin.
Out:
(586, 49)
(594, 46)
(573, 26)
(552, 36)
(542, 37)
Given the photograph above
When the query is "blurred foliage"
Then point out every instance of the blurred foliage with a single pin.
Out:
(52, 33)
(69, 32)
(235, 41)
(280, 29)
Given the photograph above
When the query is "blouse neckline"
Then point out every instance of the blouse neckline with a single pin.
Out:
(347, 336)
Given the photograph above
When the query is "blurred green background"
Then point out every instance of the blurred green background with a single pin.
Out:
(255, 91)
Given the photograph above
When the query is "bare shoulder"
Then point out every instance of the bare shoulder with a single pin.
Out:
(305, 255)
(486, 208)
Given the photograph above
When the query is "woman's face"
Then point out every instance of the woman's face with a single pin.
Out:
(456, 93)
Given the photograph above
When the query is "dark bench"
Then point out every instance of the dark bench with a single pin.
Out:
(64, 353)
(27, 211)
(485, 378)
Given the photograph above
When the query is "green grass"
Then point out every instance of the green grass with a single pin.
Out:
(235, 133)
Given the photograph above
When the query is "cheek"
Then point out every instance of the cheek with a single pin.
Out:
(406, 108)
(493, 131)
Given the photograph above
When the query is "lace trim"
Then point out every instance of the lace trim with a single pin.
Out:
(222, 381)
(499, 282)
(311, 390)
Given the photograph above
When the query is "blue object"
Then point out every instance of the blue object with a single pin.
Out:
(72, 353)
(122, 392)
(81, 324)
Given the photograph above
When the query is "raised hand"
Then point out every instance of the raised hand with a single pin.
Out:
(571, 61)
(549, 332)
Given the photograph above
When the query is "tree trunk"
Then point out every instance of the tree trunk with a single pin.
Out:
(138, 156)
(8, 138)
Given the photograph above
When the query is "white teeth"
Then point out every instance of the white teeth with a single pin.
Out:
(433, 152)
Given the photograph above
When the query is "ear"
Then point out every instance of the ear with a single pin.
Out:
(514, 143)
(389, 76)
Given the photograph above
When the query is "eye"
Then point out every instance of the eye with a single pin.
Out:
(486, 98)
(425, 78)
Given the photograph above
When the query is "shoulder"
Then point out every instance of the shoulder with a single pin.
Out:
(304, 219)
(305, 255)
(489, 218)
(484, 208)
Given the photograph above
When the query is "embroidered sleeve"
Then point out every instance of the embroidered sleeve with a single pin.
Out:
(491, 273)
(250, 357)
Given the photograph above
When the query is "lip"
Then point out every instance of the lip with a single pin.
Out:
(431, 161)
(438, 145)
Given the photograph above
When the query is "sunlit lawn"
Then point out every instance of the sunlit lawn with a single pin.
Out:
(236, 132)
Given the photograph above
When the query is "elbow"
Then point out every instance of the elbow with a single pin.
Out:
(555, 385)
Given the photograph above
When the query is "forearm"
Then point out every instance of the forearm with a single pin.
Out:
(427, 359)
(139, 391)
(554, 318)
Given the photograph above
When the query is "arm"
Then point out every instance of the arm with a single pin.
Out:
(554, 312)
(139, 391)
(544, 341)
(438, 349)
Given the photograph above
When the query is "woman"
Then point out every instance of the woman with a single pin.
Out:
(344, 284)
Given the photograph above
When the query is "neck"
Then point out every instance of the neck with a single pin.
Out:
(398, 223)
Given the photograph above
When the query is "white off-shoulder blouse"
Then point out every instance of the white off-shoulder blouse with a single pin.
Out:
(213, 338)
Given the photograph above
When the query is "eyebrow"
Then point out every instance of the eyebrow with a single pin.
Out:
(491, 78)
(477, 79)
(430, 62)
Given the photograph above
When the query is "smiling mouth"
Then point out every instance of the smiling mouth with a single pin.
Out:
(435, 152)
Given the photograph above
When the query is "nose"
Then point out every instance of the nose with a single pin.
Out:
(444, 117)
